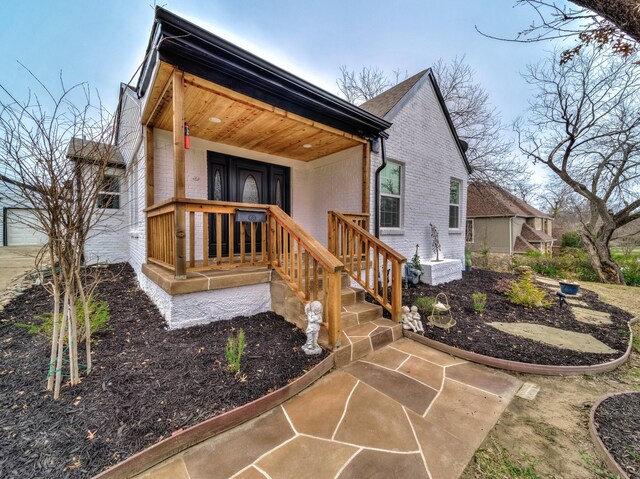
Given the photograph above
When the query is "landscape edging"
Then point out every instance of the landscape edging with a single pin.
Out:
(183, 439)
(520, 367)
(601, 449)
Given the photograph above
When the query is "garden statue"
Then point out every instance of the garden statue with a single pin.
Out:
(415, 319)
(435, 241)
(406, 318)
(313, 310)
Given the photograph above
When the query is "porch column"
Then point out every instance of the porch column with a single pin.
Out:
(179, 174)
(148, 150)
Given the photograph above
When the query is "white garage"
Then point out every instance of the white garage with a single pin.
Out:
(21, 228)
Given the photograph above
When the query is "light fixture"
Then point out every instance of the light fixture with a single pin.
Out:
(307, 145)
(215, 119)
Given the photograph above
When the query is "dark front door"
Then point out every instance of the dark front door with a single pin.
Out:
(239, 180)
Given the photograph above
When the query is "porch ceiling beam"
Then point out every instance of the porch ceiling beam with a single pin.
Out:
(210, 87)
(163, 99)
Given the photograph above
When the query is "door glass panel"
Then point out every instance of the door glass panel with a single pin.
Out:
(217, 186)
(278, 193)
(250, 191)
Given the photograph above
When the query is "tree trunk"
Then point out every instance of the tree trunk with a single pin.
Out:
(597, 246)
(625, 14)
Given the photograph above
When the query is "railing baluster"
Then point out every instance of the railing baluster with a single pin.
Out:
(367, 265)
(385, 279)
(192, 239)
(205, 239)
(219, 238)
(315, 279)
(263, 230)
(307, 275)
(376, 271)
(299, 267)
(242, 242)
(230, 241)
(253, 242)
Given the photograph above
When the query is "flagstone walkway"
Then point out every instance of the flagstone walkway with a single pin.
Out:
(405, 411)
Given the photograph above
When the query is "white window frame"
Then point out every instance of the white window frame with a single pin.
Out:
(473, 231)
(112, 193)
(458, 205)
(394, 230)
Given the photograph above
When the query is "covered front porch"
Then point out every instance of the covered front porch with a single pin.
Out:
(243, 163)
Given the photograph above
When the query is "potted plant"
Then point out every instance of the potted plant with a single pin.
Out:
(467, 259)
(414, 269)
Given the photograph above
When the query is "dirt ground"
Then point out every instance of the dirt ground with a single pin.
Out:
(548, 437)
(15, 261)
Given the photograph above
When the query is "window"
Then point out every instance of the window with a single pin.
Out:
(109, 196)
(391, 196)
(468, 237)
(454, 204)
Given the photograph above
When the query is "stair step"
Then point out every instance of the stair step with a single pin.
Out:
(365, 311)
(359, 340)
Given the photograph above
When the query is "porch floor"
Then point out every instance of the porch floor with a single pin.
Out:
(405, 410)
(206, 280)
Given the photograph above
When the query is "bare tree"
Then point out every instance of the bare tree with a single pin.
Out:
(584, 125)
(361, 86)
(64, 195)
(611, 23)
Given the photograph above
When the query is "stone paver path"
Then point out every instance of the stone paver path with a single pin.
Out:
(404, 411)
(555, 337)
(590, 316)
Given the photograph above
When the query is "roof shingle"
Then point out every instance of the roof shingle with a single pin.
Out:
(488, 199)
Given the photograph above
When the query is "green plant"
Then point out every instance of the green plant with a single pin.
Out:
(467, 256)
(235, 350)
(525, 293)
(571, 239)
(484, 256)
(598, 470)
(425, 305)
(415, 261)
(99, 315)
(479, 302)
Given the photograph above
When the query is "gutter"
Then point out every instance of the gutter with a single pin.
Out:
(377, 188)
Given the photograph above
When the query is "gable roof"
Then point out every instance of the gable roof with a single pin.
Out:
(521, 245)
(533, 235)
(385, 101)
(195, 50)
(488, 199)
(390, 101)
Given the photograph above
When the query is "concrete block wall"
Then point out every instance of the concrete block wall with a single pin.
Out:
(421, 140)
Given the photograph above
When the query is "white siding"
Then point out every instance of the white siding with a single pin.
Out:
(420, 138)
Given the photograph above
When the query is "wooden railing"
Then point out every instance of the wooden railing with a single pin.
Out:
(307, 267)
(373, 264)
(176, 227)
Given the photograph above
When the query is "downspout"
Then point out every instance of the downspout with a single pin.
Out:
(377, 188)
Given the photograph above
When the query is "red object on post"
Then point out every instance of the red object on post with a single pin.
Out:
(187, 141)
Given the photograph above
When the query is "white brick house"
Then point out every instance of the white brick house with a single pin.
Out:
(254, 196)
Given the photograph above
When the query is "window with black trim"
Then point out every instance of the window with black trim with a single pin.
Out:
(109, 194)
(454, 204)
(391, 192)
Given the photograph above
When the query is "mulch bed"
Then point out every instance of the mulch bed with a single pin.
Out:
(147, 382)
(618, 425)
(471, 332)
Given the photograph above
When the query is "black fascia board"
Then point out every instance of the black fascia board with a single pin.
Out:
(199, 52)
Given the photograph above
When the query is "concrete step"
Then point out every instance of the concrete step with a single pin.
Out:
(359, 340)
(365, 311)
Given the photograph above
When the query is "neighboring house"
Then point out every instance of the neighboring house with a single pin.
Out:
(504, 223)
(261, 206)
(18, 222)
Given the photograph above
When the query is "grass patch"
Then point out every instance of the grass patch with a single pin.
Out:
(497, 463)
(596, 468)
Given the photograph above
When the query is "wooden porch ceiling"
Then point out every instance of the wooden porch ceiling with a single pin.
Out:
(244, 121)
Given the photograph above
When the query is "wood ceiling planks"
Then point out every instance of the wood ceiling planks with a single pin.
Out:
(245, 122)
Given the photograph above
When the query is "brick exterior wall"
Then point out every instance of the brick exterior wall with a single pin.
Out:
(421, 140)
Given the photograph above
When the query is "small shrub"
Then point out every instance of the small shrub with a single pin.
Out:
(235, 350)
(571, 239)
(467, 256)
(416, 263)
(525, 293)
(425, 305)
(630, 267)
(484, 256)
(479, 302)
(99, 315)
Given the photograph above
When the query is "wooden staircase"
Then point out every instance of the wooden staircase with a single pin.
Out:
(363, 328)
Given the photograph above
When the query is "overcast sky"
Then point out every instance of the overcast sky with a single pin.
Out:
(103, 42)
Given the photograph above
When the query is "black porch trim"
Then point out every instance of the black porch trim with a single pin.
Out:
(199, 52)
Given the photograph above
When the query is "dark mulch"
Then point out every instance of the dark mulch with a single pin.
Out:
(147, 382)
(472, 334)
(618, 425)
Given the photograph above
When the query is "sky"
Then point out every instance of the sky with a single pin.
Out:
(103, 42)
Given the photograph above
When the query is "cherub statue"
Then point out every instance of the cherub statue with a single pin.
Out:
(406, 318)
(415, 319)
(313, 310)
